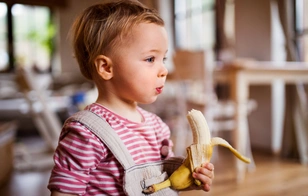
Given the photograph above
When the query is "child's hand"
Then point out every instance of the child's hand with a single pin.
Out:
(206, 175)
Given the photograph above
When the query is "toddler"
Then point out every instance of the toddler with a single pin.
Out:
(121, 46)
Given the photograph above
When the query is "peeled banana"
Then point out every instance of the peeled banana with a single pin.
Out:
(199, 152)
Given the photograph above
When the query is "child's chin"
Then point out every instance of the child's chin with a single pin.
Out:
(148, 102)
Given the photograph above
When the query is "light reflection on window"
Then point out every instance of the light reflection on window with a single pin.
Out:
(194, 24)
(4, 59)
(33, 36)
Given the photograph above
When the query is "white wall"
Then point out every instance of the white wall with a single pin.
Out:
(66, 64)
(258, 35)
(164, 7)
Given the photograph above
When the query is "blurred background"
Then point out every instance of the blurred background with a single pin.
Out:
(40, 86)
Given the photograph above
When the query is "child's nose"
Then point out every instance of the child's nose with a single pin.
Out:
(163, 72)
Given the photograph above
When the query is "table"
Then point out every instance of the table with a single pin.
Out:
(240, 75)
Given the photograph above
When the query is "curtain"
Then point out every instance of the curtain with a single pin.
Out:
(290, 147)
(222, 43)
(287, 19)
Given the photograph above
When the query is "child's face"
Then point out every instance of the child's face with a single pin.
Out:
(139, 70)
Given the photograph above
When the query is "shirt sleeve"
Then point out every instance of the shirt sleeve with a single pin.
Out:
(78, 151)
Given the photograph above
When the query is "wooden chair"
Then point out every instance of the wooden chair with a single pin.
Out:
(193, 71)
(45, 119)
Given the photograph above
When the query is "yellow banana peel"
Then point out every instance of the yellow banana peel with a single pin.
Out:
(197, 153)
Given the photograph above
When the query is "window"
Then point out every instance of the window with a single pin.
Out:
(306, 30)
(26, 37)
(194, 24)
(33, 36)
(4, 59)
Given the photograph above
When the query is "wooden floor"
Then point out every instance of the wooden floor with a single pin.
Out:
(273, 176)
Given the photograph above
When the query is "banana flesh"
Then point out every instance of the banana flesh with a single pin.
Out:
(199, 152)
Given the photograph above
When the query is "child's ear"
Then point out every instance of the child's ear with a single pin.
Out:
(104, 67)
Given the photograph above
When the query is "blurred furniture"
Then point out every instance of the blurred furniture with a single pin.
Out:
(48, 123)
(40, 102)
(193, 72)
(7, 138)
(300, 117)
(44, 117)
(242, 74)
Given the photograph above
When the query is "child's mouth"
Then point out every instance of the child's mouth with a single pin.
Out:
(159, 90)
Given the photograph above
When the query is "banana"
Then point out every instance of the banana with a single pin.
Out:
(202, 148)
(199, 152)
(179, 179)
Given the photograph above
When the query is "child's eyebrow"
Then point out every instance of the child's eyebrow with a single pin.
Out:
(154, 50)
(150, 51)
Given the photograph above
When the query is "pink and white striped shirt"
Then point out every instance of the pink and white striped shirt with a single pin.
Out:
(85, 166)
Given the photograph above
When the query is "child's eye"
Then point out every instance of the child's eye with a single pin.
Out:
(164, 60)
(151, 59)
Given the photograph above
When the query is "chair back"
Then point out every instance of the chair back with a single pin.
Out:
(189, 65)
(45, 118)
(195, 67)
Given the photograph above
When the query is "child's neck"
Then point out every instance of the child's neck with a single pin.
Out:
(125, 110)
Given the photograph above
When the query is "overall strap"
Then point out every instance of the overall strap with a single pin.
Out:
(106, 134)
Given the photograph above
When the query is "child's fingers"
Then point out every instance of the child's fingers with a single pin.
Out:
(206, 172)
(206, 187)
(205, 180)
(209, 166)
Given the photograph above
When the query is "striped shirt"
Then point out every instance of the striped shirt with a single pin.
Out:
(85, 166)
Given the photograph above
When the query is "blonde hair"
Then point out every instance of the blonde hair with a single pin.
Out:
(101, 27)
